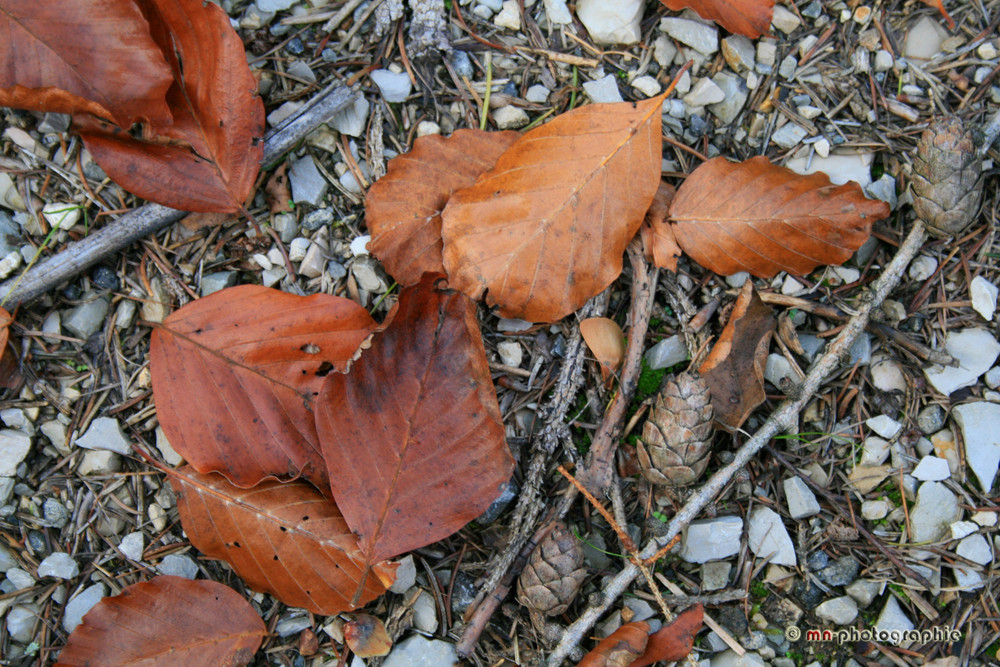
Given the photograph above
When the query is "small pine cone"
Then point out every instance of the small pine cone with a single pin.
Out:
(677, 436)
(553, 574)
(947, 177)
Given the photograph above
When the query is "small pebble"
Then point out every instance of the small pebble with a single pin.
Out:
(178, 566)
(510, 117)
(78, 607)
(59, 565)
(105, 278)
(132, 546)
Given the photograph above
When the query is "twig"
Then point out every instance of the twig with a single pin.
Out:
(781, 419)
(150, 218)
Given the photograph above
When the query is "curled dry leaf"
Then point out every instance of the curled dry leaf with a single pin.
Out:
(283, 539)
(734, 369)
(545, 229)
(659, 244)
(619, 649)
(413, 434)
(744, 17)
(235, 373)
(675, 640)
(403, 208)
(167, 621)
(758, 217)
(208, 159)
(605, 339)
(366, 636)
(279, 194)
(85, 56)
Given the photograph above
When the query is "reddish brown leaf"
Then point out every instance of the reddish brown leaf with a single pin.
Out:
(744, 17)
(658, 240)
(758, 217)
(208, 159)
(85, 56)
(413, 434)
(403, 208)
(605, 339)
(283, 539)
(545, 229)
(734, 369)
(279, 196)
(939, 5)
(366, 636)
(675, 640)
(235, 374)
(10, 372)
(195, 221)
(620, 648)
(167, 621)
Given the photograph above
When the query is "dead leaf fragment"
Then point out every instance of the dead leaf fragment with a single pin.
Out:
(545, 229)
(659, 244)
(866, 478)
(279, 194)
(758, 217)
(167, 621)
(403, 208)
(744, 17)
(675, 640)
(366, 636)
(619, 649)
(235, 375)
(283, 539)
(605, 339)
(413, 435)
(10, 371)
(734, 369)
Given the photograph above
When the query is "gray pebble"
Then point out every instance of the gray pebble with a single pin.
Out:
(840, 572)
(178, 566)
(86, 319)
(59, 565)
(55, 513)
(931, 419)
(78, 607)
(218, 281)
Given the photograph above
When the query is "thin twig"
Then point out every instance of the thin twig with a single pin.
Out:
(784, 418)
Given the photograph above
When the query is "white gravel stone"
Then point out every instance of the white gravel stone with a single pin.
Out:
(537, 94)
(359, 246)
(715, 575)
(863, 591)
(936, 509)
(712, 539)
(975, 350)
(105, 433)
(931, 469)
(20, 578)
(801, 500)
(873, 510)
(611, 21)
(704, 92)
(418, 651)
(7, 560)
(406, 576)
(784, 19)
(893, 617)
(883, 61)
(839, 611)
(166, 450)
(426, 128)
(839, 167)
(351, 121)
(791, 287)
(874, 451)
(59, 565)
(14, 447)
(509, 17)
(668, 352)
(777, 369)
(99, 462)
(924, 39)
(307, 183)
(985, 519)
(510, 117)
(314, 261)
(699, 36)
(647, 85)
(980, 424)
(78, 607)
(603, 90)
(395, 87)
(132, 546)
(922, 267)
(557, 12)
(425, 613)
(976, 549)
(789, 135)
(887, 427)
(664, 51)
(739, 53)
(729, 658)
(178, 566)
(767, 534)
(984, 297)
(887, 375)
(961, 529)
(297, 249)
(510, 353)
(61, 216)
(21, 621)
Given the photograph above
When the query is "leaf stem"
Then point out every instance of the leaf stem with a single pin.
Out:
(484, 116)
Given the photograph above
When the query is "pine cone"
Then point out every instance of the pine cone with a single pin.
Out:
(554, 573)
(677, 436)
(947, 177)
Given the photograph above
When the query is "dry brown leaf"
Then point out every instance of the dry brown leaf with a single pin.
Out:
(195, 221)
(605, 339)
(734, 369)
(403, 208)
(279, 196)
(675, 640)
(659, 244)
(85, 56)
(758, 217)
(366, 636)
(744, 17)
(546, 228)
(283, 539)
(619, 649)
(10, 371)
(167, 621)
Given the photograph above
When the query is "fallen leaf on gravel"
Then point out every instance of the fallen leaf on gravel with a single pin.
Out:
(413, 434)
(605, 339)
(619, 649)
(279, 196)
(235, 375)
(10, 373)
(758, 217)
(167, 621)
(546, 228)
(195, 221)
(744, 17)
(657, 234)
(403, 208)
(366, 636)
(675, 640)
(866, 478)
(734, 369)
(85, 56)
(283, 539)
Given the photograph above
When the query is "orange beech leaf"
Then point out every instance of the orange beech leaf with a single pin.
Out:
(605, 339)
(413, 434)
(85, 56)
(545, 229)
(283, 539)
(744, 17)
(10, 371)
(734, 369)
(939, 5)
(659, 244)
(620, 648)
(366, 636)
(208, 158)
(235, 375)
(167, 621)
(758, 217)
(675, 640)
(403, 208)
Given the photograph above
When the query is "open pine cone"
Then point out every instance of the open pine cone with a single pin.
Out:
(554, 573)
(947, 177)
(677, 436)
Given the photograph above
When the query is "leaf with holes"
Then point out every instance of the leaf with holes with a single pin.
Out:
(85, 56)
(208, 159)
(235, 375)
(545, 229)
(758, 217)
(283, 539)
(167, 621)
(403, 208)
(744, 17)
(413, 435)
